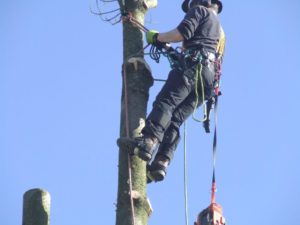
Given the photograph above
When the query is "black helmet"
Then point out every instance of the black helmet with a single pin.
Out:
(187, 4)
(219, 3)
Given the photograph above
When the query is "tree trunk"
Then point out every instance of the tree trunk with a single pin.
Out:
(36, 207)
(137, 80)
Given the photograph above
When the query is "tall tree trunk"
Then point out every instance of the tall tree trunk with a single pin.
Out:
(138, 78)
(36, 207)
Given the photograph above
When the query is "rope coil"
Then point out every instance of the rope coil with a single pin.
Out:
(199, 75)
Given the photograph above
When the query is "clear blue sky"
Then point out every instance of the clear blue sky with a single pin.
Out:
(60, 87)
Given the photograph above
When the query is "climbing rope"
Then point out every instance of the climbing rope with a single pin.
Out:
(185, 176)
(155, 52)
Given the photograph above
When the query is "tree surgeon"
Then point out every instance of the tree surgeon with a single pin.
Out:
(201, 33)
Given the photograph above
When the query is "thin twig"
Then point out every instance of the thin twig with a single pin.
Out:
(112, 15)
(104, 13)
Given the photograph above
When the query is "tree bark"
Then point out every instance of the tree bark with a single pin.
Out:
(138, 80)
(36, 207)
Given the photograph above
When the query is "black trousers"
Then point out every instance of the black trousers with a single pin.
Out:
(175, 103)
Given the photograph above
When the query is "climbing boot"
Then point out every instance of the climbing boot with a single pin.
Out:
(158, 169)
(146, 146)
(143, 147)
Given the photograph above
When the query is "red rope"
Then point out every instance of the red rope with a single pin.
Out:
(134, 22)
(127, 134)
(218, 77)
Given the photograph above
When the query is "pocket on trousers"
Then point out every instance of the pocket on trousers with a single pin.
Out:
(189, 76)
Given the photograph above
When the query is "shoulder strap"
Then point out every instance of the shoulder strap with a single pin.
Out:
(221, 44)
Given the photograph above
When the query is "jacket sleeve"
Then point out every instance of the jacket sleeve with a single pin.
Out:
(191, 21)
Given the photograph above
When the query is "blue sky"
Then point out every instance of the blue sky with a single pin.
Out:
(60, 91)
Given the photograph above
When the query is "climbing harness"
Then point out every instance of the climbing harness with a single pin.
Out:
(203, 58)
(213, 100)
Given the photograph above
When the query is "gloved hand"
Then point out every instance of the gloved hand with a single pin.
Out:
(151, 37)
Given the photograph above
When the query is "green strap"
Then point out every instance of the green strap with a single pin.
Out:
(199, 75)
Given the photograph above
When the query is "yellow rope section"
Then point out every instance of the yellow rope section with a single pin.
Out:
(221, 43)
(199, 75)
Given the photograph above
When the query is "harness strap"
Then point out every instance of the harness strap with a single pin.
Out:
(213, 188)
(206, 123)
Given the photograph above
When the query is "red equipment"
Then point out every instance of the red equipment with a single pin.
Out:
(213, 214)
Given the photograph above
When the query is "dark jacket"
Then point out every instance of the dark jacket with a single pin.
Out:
(200, 28)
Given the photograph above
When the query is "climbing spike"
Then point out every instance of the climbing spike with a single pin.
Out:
(128, 144)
